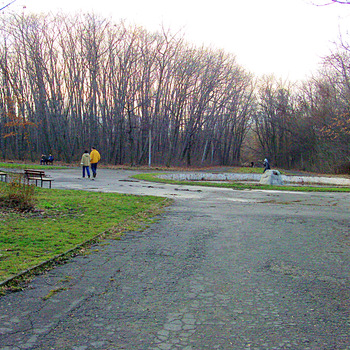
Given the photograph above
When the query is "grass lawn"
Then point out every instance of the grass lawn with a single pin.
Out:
(241, 185)
(29, 166)
(64, 219)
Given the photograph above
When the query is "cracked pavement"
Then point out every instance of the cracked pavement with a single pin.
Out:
(219, 269)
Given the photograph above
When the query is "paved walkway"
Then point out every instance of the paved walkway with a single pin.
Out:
(221, 269)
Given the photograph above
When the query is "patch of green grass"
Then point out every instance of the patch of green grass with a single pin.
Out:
(246, 170)
(64, 220)
(53, 292)
(29, 166)
(240, 185)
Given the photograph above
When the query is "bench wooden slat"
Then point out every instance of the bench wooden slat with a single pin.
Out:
(36, 175)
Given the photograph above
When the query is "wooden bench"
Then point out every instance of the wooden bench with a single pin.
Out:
(36, 175)
(3, 176)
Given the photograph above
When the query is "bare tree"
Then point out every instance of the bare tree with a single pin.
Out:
(331, 2)
(275, 121)
(85, 80)
(331, 111)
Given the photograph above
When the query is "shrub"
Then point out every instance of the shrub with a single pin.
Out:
(17, 194)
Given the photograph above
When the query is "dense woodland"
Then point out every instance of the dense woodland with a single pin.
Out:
(68, 83)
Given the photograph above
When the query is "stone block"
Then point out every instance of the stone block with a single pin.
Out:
(271, 177)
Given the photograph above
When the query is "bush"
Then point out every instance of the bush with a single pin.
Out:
(17, 194)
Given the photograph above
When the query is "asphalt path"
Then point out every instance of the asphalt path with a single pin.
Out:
(220, 269)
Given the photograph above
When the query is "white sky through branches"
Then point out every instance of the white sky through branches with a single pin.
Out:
(282, 37)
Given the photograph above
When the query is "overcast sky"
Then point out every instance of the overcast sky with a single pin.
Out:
(283, 37)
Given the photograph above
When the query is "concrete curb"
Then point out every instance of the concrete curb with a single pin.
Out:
(254, 177)
(32, 270)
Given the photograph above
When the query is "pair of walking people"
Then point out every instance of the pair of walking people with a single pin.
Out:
(90, 159)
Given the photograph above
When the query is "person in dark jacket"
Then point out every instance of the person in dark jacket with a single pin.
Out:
(266, 165)
(50, 159)
(43, 160)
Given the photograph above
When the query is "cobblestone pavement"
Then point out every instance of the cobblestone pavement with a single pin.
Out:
(220, 269)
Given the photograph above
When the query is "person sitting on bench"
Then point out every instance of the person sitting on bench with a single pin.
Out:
(43, 160)
(50, 159)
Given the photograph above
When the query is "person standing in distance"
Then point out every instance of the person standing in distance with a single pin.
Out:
(94, 159)
(266, 165)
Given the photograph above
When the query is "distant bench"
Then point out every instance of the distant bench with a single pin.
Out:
(3, 176)
(36, 175)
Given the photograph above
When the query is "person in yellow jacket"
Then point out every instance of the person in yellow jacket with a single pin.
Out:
(94, 159)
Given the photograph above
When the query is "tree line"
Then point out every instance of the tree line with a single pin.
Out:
(68, 83)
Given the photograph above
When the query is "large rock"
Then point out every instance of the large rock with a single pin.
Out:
(271, 177)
